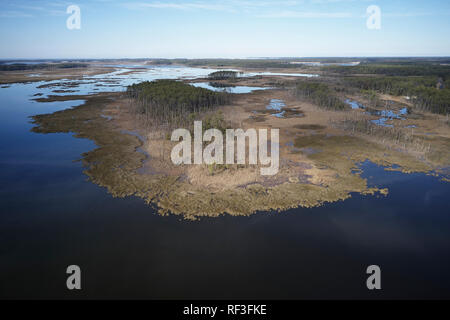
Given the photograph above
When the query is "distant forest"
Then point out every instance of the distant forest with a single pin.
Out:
(173, 103)
(23, 66)
(223, 75)
(287, 62)
(425, 83)
(320, 94)
(240, 63)
(391, 69)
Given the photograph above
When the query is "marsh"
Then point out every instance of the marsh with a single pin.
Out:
(316, 247)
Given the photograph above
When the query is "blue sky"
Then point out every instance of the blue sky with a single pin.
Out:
(227, 28)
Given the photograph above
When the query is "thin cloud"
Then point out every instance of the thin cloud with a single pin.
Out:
(307, 15)
(407, 14)
(14, 14)
(178, 6)
(228, 5)
(42, 9)
(335, 1)
(250, 4)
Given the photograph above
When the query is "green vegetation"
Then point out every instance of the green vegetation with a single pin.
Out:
(40, 66)
(397, 86)
(388, 63)
(319, 93)
(394, 69)
(433, 100)
(424, 81)
(223, 75)
(221, 85)
(399, 136)
(171, 103)
(210, 120)
(159, 62)
(240, 63)
(215, 121)
(423, 90)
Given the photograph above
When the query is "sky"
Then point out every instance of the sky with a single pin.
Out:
(223, 29)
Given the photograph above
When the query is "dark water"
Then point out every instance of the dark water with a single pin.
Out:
(51, 217)
(386, 115)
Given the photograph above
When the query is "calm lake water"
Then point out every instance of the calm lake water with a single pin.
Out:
(52, 217)
(234, 89)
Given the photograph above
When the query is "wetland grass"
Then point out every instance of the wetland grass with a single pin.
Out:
(115, 163)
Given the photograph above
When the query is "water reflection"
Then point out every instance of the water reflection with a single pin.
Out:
(230, 89)
(386, 114)
(277, 104)
(118, 80)
(355, 104)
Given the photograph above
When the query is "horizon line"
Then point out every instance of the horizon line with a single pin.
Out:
(242, 58)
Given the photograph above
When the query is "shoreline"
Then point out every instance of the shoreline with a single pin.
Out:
(12, 77)
(318, 163)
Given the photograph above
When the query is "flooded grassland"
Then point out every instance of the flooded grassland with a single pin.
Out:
(319, 160)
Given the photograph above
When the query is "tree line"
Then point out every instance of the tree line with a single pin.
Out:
(223, 75)
(320, 94)
(241, 63)
(171, 103)
(405, 69)
(423, 90)
(398, 86)
(432, 100)
(23, 66)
